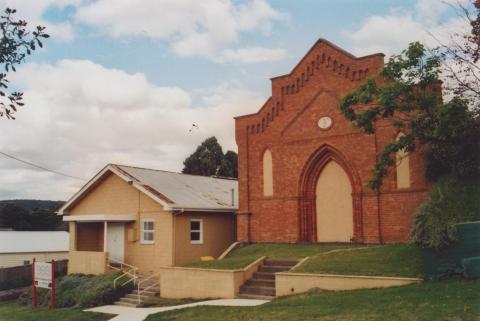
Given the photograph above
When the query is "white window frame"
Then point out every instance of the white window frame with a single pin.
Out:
(142, 230)
(200, 241)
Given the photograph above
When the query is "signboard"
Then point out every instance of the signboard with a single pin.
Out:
(43, 275)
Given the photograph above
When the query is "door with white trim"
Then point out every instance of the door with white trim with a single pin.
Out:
(116, 241)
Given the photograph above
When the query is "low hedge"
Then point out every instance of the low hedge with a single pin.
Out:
(450, 201)
(82, 291)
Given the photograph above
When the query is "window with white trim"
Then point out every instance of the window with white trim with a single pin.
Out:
(196, 231)
(148, 232)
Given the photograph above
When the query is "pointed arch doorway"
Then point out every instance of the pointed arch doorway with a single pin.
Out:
(329, 200)
(333, 205)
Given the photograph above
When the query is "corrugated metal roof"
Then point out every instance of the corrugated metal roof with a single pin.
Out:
(183, 191)
(26, 241)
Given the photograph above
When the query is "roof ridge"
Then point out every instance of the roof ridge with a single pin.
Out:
(172, 172)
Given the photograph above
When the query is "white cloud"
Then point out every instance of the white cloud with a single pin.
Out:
(393, 32)
(80, 116)
(252, 55)
(191, 27)
(33, 11)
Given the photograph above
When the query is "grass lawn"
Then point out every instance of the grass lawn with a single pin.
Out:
(163, 302)
(241, 257)
(388, 260)
(11, 311)
(383, 260)
(448, 300)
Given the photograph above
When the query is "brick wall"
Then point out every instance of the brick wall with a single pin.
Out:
(287, 125)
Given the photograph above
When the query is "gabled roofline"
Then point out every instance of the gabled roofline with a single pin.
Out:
(173, 172)
(258, 112)
(320, 40)
(332, 45)
(156, 196)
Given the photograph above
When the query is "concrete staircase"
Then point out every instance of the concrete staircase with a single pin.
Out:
(262, 284)
(131, 299)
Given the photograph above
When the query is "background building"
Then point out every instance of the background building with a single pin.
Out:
(20, 247)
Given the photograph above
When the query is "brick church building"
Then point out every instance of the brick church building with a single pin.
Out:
(303, 168)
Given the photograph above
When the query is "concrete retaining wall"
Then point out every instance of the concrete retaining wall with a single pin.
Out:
(292, 283)
(182, 282)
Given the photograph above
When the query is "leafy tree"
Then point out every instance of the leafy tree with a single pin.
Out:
(44, 220)
(229, 166)
(209, 160)
(206, 159)
(14, 217)
(18, 218)
(15, 44)
(461, 55)
(407, 94)
(450, 201)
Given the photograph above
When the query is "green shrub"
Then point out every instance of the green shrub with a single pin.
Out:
(100, 291)
(77, 290)
(26, 297)
(68, 289)
(450, 201)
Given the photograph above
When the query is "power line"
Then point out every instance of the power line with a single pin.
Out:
(40, 167)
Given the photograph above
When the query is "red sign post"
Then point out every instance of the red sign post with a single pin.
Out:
(34, 288)
(52, 290)
(43, 276)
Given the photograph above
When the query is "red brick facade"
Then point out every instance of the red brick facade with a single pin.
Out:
(287, 126)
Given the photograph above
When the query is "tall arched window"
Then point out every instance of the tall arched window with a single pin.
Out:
(403, 167)
(267, 173)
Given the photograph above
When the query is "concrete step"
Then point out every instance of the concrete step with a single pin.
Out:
(129, 300)
(264, 275)
(255, 297)
(260, 282)
(281, 262)
(273, 268)
(135, 296)
(257, 290)
(126, 304)
(147, 293)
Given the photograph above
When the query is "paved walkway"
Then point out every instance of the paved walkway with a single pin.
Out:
(140, 314)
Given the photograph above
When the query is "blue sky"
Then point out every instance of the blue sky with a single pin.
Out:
(306, 21)
(121, 81)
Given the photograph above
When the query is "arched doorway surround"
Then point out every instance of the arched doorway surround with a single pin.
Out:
(307, 188)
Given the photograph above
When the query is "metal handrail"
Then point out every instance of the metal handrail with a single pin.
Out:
(121, 264)
(139, 292)
(131, 272)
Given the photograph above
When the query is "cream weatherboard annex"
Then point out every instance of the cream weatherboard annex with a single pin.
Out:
(148, 219)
